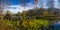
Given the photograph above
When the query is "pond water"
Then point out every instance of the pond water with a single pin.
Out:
(57, 25)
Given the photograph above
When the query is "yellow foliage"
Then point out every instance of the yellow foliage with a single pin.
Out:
(45, 13)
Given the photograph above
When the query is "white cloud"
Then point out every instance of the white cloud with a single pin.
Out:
(16, 8)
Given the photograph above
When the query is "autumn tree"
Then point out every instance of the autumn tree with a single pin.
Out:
(8, 15)
(45, 13)
(18, 13)
(19, 16)
(50, 5)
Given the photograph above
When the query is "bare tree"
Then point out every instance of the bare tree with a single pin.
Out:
(59, 1)
(1, 6)
(41, 2)
(1, 16)
(2, 2)
(36, 1)
(50, 3)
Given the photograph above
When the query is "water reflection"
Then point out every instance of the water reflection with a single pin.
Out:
(57, 26)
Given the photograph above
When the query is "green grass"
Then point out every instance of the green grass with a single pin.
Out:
(32, 23)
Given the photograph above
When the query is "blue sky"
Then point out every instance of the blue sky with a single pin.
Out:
(16, 6)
